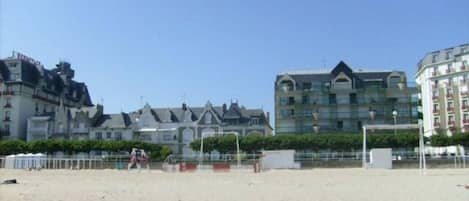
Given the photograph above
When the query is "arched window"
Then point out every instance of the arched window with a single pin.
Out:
(208, 118)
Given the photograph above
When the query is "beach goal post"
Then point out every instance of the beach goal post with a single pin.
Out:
(419, 126)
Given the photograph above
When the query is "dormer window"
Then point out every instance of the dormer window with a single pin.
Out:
(434, 58)
(342, 82)
(286, 85)
(208, 118)
(449, 54)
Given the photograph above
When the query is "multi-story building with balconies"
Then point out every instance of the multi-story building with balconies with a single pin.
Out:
(443, 77)
(342, 100)
(28, 89)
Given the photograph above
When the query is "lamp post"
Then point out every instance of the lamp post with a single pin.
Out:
(372, 114)
(394, 115)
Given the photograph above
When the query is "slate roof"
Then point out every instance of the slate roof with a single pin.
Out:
(121, 120)
(441, 55)
(53, 83)
(4, 72)
(177, 114)
(357, 76)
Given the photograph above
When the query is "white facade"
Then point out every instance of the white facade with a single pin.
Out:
(443, 77)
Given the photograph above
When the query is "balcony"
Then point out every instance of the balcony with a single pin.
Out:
(435, 97)
(450, 70)
(436, 124)
(435, 73)
(465, 121)
(451, 123)
(463, 67)
(450, 109)
(436, 111)
(465, 107)
(6, 119)
(8, 105)
(6, 93)
(449, 96)
(464, 94)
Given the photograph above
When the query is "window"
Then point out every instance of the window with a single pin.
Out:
(436, 121)
(307, 86)
(449, 54)
(291, 100)
(208, 118)
(254, 121)
(451, 119)
(435, 107)
(187, 136)
(6, 128)
(449, 68)
(99, 135)
(332, 99)
(285, 113)
(466, 117)
(307, 113)
(8, 102)
(108, 135)
(292, 112)
(286, 85)
(464, 102)
(340, 124)
(118, 136)
(435, 70)
(7, 116)
(434, 58)
(305, 99)
(450, 105)
(359, 125)
(167, 137)
(283, 100)
(435, 93)
(394, 81)
(353, 98)
(450, 81)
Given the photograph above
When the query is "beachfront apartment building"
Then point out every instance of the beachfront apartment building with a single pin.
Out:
(28, 89)
(342, 100)
(443, 78)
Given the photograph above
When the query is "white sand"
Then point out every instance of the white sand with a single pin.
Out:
(285, 185)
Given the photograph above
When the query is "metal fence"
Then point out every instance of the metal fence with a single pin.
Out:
(325, 159)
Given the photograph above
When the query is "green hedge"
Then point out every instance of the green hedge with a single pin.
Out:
(455, 139)
(74, 146)
(338, 142)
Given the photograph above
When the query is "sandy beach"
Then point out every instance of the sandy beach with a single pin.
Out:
(278, 185)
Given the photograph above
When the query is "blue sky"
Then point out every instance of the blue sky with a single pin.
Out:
(219, 50)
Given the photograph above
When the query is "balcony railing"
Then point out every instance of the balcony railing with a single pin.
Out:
(436, 111)
(464, 93)
(450, 109)
(435, 97)
(449, 70)
(436, 124)
(8, 105)
(450, 123)
(8, 93)
(465, 121)
(435, 73)
(449, 95)
(463, 67)
(6, 119)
